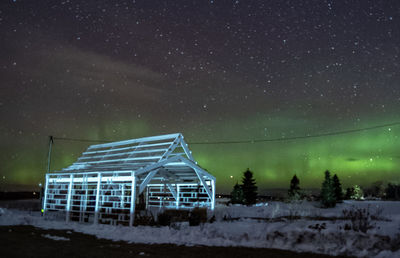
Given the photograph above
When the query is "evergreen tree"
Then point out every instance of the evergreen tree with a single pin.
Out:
(249, 188)
(392, 191)
(377, 189)
(328, 198)
(349, 193)
(358, 193)
(337, 188)
(237, 194)
(294, 190)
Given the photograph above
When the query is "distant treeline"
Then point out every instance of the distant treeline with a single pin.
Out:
(19, 195)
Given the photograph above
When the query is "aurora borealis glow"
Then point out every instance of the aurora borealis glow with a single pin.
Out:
(213, 70)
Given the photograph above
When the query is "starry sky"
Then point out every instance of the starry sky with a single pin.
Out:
(212, 70)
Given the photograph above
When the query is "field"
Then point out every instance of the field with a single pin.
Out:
(64, 243)
(363, 229)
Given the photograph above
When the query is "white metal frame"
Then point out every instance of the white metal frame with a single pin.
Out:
(104, 183)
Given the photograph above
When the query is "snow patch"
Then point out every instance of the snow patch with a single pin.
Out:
(275, 225)
(56, 238)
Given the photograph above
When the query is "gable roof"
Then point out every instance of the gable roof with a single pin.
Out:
(157, 159)
(131, 154)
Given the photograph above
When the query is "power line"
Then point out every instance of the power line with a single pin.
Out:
(80, 140)
(302, 137)
(258, 140)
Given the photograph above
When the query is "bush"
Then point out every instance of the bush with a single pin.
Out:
(170, 216)
(164, 219)
(144, 219)
(197, 216)
(361, 219)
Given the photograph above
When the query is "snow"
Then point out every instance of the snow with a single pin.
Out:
(56, 238)
(275, 225)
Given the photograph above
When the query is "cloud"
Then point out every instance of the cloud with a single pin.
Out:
(68, 83)
(96, 73)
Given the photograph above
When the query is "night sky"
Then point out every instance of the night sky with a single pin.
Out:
(212, 70)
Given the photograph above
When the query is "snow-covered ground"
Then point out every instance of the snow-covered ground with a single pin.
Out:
(293, 226)
(56, 238)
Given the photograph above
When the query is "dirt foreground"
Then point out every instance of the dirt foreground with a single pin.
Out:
(28, 241)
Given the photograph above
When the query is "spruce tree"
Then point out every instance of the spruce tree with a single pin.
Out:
(349, 193)
(337, 188)
(328, 198)
(358, 193)
(294, 190)
(249, 188)
(237, 194)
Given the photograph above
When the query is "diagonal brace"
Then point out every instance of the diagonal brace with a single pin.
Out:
(147, 180)
(173, 191)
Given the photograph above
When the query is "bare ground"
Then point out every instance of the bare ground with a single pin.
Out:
(28, 241)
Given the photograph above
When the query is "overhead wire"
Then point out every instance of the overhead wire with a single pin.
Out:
(251, 141)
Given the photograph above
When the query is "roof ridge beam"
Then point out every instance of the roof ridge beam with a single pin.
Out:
(127, 148)
(122, 153)
(116, 160)
(137, 140)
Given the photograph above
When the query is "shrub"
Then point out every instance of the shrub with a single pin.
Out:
(361, 219)
(197, 216)
(164, 219)
(144, 219)
(212, 219)
(170, 216)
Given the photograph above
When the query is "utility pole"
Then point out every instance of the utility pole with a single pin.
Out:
(49, 154)
(42, 190)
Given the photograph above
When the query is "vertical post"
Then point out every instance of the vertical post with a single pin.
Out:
(49, 154)
(177, 195)
(96, 209)
(71, 178)
(213, 194)
(47, 177)
(147, 197)
(85, 179)
(133, 200)
(46, 186)
(122, 195)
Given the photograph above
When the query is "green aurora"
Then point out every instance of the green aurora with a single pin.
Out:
(358, 158)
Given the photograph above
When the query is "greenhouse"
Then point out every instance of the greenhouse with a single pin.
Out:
(112, 180)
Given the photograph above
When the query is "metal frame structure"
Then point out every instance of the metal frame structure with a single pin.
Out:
(103, 185)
